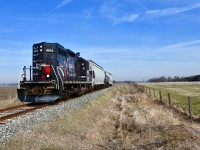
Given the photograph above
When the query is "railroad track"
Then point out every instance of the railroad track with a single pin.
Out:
(16, 111)
(12, 112)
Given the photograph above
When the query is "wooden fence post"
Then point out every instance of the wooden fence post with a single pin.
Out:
(154, 93)
(190, 106)
(149, 92)
(160, 93)
(170, 100)
(10, 93)
(146, 91)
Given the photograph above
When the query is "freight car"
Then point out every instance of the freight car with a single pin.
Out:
(57, 72)
(108, 79)
(98, 75)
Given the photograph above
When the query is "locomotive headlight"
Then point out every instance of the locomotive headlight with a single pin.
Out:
(41, 50)
(23, 75)
(41, 46)
(48, 75)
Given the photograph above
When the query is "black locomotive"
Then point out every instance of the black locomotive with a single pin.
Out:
(57, 72)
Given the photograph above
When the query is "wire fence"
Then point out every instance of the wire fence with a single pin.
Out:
(187, 104)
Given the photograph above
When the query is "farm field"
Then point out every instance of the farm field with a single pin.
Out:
(121, 118)
(8, 96)
(8, 92)
(179, 92)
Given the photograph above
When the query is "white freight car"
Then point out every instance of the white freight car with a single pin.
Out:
(109, 79)
(98, 75)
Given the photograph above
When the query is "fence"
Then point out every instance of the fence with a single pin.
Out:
(187, 104)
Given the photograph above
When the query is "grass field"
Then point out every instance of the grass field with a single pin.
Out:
(179, 93)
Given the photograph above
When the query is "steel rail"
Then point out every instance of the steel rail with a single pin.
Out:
(13, 108)
(9, 116)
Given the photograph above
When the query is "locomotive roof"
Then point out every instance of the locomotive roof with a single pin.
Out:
(59, 45)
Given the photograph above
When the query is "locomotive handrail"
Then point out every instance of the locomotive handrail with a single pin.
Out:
(57, 85)
(19, 79)
(60, 77)
(24, 78)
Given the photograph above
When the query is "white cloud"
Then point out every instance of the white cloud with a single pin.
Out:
(184, 44)
(112, 13)
(184, 51)
(171, 11)
(63, 3)
(126, 18)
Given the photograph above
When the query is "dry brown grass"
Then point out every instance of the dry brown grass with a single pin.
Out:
(9, 103)
(123, 118)
(85, 128)
(8, 97)
(142, 124)
(8, 93)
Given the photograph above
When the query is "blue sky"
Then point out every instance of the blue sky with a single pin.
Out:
(132, 39)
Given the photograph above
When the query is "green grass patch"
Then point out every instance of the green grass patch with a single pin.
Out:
(179, 92)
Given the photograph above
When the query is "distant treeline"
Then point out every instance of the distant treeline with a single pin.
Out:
(129, 82)
(175, 79)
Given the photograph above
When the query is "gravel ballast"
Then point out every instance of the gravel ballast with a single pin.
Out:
(26, 123)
